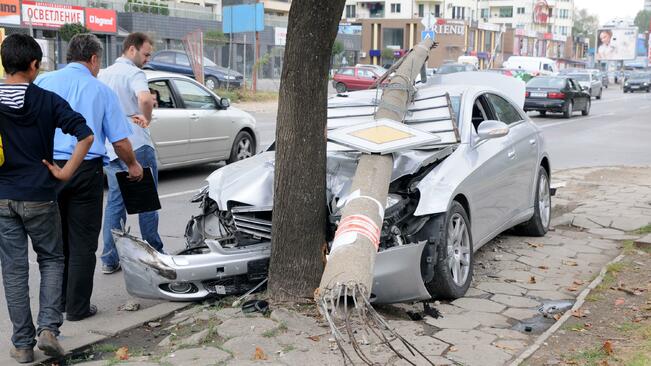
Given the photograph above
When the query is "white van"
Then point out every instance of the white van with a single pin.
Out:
(470, 60)
(534, 65)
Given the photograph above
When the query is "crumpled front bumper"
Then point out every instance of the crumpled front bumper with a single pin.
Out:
(225, 271)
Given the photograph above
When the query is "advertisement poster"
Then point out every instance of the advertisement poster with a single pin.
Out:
(616, 44)
(10, 12)
(50, 15)
(101, 20)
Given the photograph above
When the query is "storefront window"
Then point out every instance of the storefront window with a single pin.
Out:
(392, 37)
(487, 41)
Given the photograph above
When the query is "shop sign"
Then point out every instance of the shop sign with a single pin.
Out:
(548, 36)
(50, 15)
(449, 28)
(10, 12)
(101, 20)
(489, 27)
(280, 36)
(559, 38)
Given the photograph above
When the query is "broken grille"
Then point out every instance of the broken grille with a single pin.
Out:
(255, 221)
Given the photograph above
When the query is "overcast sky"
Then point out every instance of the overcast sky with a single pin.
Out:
(608, 9)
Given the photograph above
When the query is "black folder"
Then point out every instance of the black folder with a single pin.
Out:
(139, 196)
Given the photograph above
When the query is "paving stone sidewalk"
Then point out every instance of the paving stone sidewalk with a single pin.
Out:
(496, 321)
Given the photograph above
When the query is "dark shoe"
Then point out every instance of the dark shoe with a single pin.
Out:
(22, 355)
(92, 310)
(48, 343)
(107, 269)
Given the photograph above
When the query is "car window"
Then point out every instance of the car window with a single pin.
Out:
(194, 96)
(504, 111)
(364, 73)
(182, 59)
(161, 92)
(165, 57)
(348, 72)
(575, 85)
(478, 114)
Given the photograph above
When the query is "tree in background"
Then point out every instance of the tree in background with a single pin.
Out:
(337, 50)
(585, 25)
(642, 20)
(69, 30)
(299, 209)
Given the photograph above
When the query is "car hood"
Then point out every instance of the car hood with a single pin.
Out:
(250, 181)
(222, 70)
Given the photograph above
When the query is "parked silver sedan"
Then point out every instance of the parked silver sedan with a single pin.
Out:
(489, 171)
(192, 125)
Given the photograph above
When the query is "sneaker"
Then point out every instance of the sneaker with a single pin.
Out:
(22, 355)
(92, 310)
(108, 269)
(48, 343)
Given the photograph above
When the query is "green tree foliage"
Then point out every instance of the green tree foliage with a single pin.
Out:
(642, 20)
(337, 48)
(215, 36)
(69, 30)
(144, 6)
(585, 25)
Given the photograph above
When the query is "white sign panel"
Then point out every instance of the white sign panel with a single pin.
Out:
(616, 44)
(280, 36)
(51, 15)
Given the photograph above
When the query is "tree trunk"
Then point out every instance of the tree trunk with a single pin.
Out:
(299, 212)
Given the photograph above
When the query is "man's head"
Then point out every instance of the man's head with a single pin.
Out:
(21, 54)
(605, 36)
(86, 48)
(138, 47)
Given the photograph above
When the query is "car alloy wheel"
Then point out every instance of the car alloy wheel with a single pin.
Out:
(341, 88)
(538, 224)
(458, 248)
(243, 147)
(544, 200)
(569, 108)
(211, 83)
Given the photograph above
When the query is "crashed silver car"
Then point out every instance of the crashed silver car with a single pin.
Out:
(488, 172)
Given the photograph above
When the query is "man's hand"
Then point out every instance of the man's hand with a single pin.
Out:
(140, 120)
(135, 172)
(59, 173)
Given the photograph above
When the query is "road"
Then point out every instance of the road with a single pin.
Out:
(617, 132)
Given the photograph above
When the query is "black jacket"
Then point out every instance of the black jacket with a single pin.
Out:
(28, 137)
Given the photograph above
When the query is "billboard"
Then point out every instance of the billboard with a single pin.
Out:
(616, 44)
(10, 12)
(101, 20)
(50, 15)
(243, 18)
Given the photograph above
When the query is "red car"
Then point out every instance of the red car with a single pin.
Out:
(354, 78)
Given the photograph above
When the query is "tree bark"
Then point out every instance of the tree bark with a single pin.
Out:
(299, 212)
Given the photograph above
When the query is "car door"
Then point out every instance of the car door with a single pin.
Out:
(579, 97)
(169, 128)
(523, 167)
(210, 126)
(366, 78)
(488, 187)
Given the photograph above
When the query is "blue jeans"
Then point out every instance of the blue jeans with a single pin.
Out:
(41, 221)
(116, 212)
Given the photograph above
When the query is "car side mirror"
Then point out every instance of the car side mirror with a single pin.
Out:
(225, 102)
(491, 129)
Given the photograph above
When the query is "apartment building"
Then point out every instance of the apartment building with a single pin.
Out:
(543, 16)
(647, 5)
(356, 10)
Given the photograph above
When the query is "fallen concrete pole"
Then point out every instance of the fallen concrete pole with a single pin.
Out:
(349, 270)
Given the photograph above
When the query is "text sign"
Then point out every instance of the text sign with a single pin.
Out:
(101, 20)
(10, 12)
(51, 15)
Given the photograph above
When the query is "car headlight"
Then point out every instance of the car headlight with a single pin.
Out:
(626, 84)
(645, 84)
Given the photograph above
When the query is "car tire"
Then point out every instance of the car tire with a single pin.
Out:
(543, 113)
(212, 83)
(341, 88)
(567, 113)
(243, 147)
(538, 225)
(451, 253)
(599, 96)
(586, 110)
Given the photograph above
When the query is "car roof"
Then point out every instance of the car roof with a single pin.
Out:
(171, 51)
(151, 74)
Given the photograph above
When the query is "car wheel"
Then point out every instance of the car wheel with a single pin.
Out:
(243, 147)
(542, 113)
(599, 96)
(212, 83)
(538, 225)
(586, 111)
(567, 113)
(341, 88)
(453, 268)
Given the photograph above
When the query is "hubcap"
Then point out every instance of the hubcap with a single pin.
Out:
(210, 84)
(544, 201)
(244, 149)
(458, 247)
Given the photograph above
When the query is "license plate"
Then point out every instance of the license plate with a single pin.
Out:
(538, 94)
(220, 290)
(635, 86)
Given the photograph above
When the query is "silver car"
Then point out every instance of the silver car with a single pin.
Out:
(589, 82)
(192, 125)
(489, 172)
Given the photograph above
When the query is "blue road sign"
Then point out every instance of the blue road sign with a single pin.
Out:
(243, 18)
(428, 34)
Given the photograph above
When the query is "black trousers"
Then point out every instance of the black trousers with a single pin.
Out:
(80, 204)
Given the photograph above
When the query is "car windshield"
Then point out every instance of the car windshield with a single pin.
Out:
(639, 76)
(580, 77)
(545, 82)
(207, 62)
(449, 69)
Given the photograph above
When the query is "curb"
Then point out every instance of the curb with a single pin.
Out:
(580, 300)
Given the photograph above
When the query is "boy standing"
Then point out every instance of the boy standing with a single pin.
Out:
(29, 117)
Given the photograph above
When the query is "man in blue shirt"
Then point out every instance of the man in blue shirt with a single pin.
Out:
(129, 82)
(80, 200)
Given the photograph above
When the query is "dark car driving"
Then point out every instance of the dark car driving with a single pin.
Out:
(178, 62)
(638, 81)
(556, 94)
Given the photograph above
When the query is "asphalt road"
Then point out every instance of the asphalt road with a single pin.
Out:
(617, 132)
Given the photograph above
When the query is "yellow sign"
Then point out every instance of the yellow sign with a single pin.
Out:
(2, 38)
(381, 134)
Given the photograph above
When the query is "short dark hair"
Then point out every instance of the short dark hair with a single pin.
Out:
(18, 51)
(82, 47)
(136, 39)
